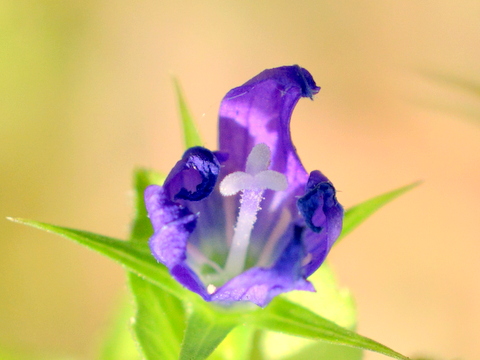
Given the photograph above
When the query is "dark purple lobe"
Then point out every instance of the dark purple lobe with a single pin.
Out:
(194, 176)
(323, 216)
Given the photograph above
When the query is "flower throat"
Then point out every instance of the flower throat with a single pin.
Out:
(251, 183)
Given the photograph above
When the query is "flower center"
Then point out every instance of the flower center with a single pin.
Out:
(251, 183)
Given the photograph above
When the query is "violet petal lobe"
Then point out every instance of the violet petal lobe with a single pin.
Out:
(260, 285)
(259, 112)
(323, 215)
(173, 224)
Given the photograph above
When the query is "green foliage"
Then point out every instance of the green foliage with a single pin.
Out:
(160, 317)
(135, 257)
(141, 226)
(190, 134)
(323, 350)
(329, 301)
(361, 212)
(207, 326)
(286, 317)
(156, 294)
(159, 320)
(243, 343)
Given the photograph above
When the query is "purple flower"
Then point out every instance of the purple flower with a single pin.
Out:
(247, 222)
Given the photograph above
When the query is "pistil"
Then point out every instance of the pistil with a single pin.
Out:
(252, 184)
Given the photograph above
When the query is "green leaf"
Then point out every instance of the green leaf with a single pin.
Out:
(141, 227)
(118, 344)
(359, 213)
(290, 318)
(159, 320)
(135, 257)
(323, 350)
(243, 343)
(256, 347)
(329, 301)
(190, 133)
(207, 326)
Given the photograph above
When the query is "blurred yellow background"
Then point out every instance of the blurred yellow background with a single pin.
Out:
(86, 95)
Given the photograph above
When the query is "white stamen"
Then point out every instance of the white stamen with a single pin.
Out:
(199, 259)
(258, 159)
(235, 182)
(280, 227)
(252, 183)
(271, 179)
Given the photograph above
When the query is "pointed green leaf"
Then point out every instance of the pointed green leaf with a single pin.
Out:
(159, 320)
(289, 318)
(323, 350)
(206, 329)
(135, 257)
(190, 133)
(243, 343)
(359, 213)
(256, 346)
(141, 227)
(329, 301)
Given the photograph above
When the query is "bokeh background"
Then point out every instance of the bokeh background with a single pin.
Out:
(86, 95)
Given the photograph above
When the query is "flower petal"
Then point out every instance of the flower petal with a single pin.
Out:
(323, 215)
(261, 285)
(259, 112)
(194, 176)
(187, 277)
(191, 183)
(173, 224)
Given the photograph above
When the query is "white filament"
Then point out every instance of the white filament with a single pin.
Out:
(252, 183)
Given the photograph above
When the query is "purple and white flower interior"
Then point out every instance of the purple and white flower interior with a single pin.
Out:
(247, 222)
